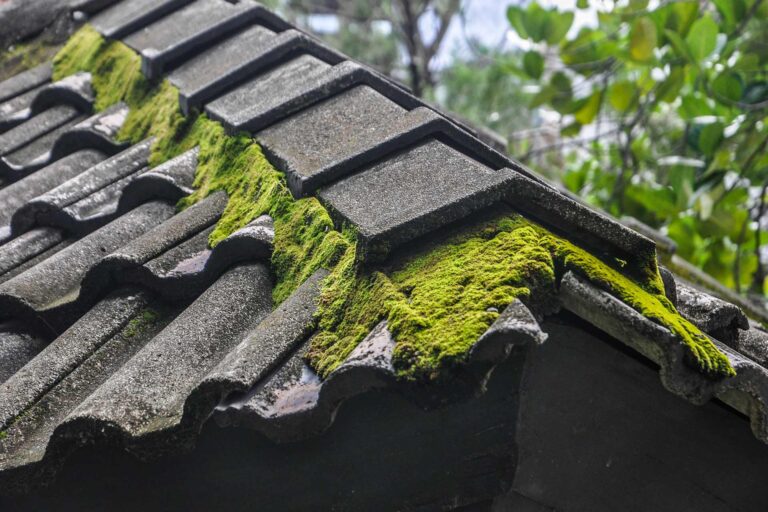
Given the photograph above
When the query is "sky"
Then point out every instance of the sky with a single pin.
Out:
(486, 21)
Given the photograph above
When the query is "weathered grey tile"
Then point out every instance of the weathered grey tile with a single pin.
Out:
(350, 130)
(186, 30)
(65, 354)
(170, 181)
(174, 259)
(310, 145)
(16, 110)
(515, 326)
(181, 227)
(298, 93)
(241, 56)
(414, 192)
(95, 132)
(41, 124)
(714, 316)
(31, 434)
(265, 92)
(91, 6)
(25, 247)
(25, 81)
(125, 17)
(293, 402)
(273, 339)
(109, 176)
(35, 155)
(16, 195)
(149, 393)
(49, 290)
(74, 90)
(17, 346)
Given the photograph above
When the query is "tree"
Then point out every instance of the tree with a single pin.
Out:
(408, 32)
(664, 117)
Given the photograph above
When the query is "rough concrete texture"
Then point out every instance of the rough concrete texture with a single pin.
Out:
(74, 90)
(26, 81)
(36, 127)
(603, 235)
(265, 93)
(54, 283)
(716, 317)
(306, 145)
(17, 346)
(240, 57)
(21, 249)
(16, 195)
(148, 394)
(416, 191)
(108, 177)
(187, 30)
(125, 17)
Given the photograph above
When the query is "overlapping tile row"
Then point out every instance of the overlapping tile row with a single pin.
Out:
(338, 129)
(120, 325)
(397, 169)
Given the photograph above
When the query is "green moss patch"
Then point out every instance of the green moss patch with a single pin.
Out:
(23, 56)
(141, 322)
(437, 302)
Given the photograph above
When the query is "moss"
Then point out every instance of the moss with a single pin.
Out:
(23, 56)
(304, 236)
(436, 302)
(141, 322)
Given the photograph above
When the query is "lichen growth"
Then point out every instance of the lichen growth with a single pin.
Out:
(436, 302)
(141, 322)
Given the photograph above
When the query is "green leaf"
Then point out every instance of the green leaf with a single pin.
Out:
(679, 45)
(747, 62)
(727, 86)
(571, 130)
(694, 105)
(535, 20)
(587, 113)
(562, 92)
(582, 4)
(533, 64)
(642, 40)
(557, 25)
(515, 16)
(702, 38)
(710, 138)
(732, 11)
(543, 96)
(621, 95)
(683, 14)
(670, 87)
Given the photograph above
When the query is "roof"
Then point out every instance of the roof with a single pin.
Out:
(122, 324)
